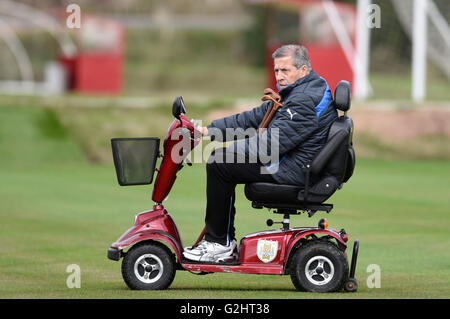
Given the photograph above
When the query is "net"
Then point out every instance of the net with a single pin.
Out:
(438, 36)
(135, 159)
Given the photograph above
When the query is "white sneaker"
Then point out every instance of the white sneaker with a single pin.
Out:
(209, 252)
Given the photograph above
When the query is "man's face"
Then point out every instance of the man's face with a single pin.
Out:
(286, 73)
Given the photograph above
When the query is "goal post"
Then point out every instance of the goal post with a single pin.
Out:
(419, 50)
(361, 75)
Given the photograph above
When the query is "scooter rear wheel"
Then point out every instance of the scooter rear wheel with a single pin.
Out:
(319, 266)
(148, 266)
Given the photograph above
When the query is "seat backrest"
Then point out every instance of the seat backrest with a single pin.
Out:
(341, 164)
(334, 163)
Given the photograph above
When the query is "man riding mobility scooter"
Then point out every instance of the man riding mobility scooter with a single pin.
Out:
(314, 257)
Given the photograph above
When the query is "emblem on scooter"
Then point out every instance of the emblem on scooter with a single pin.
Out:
(267, 250)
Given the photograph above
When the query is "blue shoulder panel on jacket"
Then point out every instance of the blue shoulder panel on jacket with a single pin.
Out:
(321, 107)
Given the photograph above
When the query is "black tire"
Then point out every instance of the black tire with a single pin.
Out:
(148, 266)
(319, 266)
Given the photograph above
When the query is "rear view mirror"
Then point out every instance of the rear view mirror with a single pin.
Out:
(178, 107)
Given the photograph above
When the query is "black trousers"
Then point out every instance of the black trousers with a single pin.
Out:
(224, 171)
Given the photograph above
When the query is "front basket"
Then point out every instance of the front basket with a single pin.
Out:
(135, 159)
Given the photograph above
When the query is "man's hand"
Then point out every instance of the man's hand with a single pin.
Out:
(203, 130)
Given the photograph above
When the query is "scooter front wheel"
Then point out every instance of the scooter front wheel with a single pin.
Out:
(148, 266)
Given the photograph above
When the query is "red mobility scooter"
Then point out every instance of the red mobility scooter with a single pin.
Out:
(314, 257)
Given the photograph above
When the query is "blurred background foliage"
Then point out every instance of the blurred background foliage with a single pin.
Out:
(212, 52)
(212, 47)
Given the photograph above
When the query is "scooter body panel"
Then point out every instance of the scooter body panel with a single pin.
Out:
(265, 252)
(156, 224)
(176, 147)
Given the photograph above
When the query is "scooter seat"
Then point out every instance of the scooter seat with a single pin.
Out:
(272, 193)
(286, 199)
(291, 195)
(330, 168)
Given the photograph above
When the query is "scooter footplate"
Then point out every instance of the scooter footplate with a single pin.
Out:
(233, 262)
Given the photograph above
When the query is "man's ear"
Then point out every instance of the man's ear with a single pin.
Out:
(304, 70)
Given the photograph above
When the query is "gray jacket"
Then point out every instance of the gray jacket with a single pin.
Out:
(296, 133)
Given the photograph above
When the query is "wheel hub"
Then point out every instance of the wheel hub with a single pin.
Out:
(319, 270)
(148, 268)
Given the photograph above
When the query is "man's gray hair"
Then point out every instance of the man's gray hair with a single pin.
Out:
(298, 52)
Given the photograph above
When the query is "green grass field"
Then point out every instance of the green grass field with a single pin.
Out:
(58, 209)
